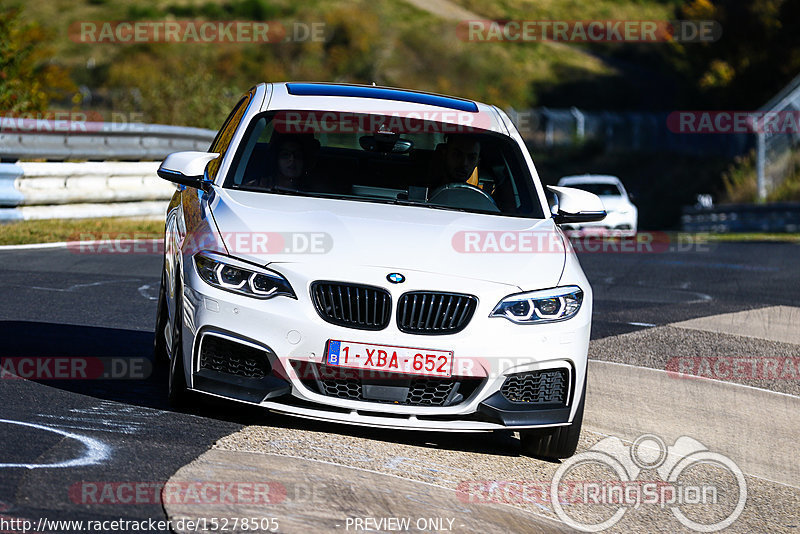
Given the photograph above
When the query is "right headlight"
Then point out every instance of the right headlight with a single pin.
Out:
(237, 276)
(542, 306)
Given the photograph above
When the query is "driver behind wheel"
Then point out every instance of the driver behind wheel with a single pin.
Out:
(461, 155)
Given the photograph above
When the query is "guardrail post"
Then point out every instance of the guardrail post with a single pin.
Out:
(760, 166)
(580, 122)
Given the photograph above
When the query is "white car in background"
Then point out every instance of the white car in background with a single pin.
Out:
(622, 216)
(319, 262)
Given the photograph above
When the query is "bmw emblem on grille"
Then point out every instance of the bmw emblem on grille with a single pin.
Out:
(396, 278)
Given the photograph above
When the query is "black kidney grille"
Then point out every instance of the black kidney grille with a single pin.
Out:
(427, 312)
(352, 305)
(537, 387)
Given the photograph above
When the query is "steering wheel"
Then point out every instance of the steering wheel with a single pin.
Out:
(461, 195)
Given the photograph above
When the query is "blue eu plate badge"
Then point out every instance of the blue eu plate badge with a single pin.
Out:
(333, 353)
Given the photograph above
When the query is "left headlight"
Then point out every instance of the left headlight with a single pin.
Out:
(542, 306)
(239, 277)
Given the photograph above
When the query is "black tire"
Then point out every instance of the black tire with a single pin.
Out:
(177, 394)
(160, 355)
(556, 443)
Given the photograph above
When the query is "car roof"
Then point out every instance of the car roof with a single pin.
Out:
(380, 93)
(355, 98)
(590, 179)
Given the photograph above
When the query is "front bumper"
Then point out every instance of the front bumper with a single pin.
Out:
(286, 330)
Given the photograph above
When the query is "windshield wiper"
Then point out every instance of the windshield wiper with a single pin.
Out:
(406, 202)
(394, 201)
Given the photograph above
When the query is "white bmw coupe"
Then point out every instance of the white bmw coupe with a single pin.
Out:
(378, 257)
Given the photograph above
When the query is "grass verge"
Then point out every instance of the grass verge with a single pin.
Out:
(784, 238)
(57, 230)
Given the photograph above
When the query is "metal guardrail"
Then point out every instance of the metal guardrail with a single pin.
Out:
(120, 182)
(78, 140)
(779, 217)
(67, 190)
(52, 190)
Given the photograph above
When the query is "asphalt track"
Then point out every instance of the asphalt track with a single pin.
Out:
(57, 303)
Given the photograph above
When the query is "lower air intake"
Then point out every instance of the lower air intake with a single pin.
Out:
(226, 356)
(547, 386)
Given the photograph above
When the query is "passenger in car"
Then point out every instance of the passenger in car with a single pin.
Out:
(290, 160)
(290, 165)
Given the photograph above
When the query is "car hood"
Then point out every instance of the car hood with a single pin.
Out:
(271, 228)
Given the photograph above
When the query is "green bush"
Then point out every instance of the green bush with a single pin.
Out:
(28, 77)
(741, 180)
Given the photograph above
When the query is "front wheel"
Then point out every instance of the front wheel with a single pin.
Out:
(160, 353)
(178, 394)
(559, 442)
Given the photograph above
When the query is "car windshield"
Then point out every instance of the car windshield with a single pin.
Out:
(603, 190)
(370, 159)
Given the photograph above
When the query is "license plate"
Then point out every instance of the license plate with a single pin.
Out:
(427, 362)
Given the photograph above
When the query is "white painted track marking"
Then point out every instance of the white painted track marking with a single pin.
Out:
(96, 450)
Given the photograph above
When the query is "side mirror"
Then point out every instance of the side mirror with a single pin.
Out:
(576, 206)
(187, 168)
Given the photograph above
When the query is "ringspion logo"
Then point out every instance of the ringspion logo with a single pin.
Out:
(690, 477)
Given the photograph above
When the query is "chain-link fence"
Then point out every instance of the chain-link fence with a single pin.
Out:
(546, 128)
(778, 152)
